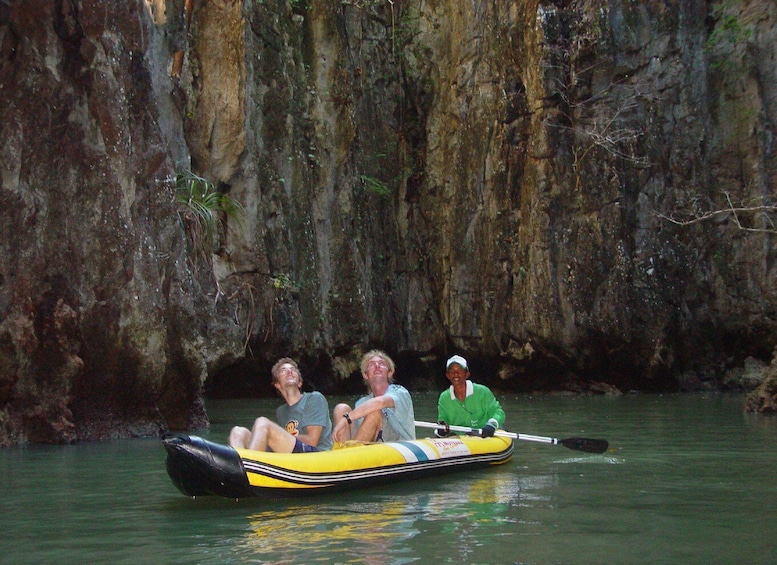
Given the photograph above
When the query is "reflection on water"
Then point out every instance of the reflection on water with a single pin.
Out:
(381, 529)
(363, 531)
(688, 479)
(465, 519)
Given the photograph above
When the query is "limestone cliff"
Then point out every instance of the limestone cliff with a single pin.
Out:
(548, 187)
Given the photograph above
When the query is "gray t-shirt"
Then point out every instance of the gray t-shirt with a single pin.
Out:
(398, 422)
(310, 410)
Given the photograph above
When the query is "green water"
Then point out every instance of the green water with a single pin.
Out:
(688, 479)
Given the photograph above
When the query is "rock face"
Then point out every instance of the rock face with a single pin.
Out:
(103, 329)
(524, 182)
(763, 399)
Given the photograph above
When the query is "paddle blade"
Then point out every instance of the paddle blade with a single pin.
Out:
(585, 444)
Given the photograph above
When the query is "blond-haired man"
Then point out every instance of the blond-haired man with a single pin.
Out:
(386, 414)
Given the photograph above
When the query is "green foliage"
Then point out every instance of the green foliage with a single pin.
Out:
(204, 209)
(375, 186)
(299, 6)
(729, 34)
(282, 281)
(728, 30)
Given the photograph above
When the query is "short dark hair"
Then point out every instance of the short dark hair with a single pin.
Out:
(280, 363)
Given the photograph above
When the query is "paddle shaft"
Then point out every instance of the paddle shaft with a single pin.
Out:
(500, 433)
(579, 444)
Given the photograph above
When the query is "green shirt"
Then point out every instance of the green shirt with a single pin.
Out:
(479, 406)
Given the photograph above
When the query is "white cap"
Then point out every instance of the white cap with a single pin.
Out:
(459, 360)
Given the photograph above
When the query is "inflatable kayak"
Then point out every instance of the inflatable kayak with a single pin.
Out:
(200, 467)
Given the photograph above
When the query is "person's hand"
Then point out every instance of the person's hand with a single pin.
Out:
(338, 432)
(443, 430)
(487, 431)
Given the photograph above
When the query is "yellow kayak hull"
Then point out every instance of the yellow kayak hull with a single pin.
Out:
(201, 467)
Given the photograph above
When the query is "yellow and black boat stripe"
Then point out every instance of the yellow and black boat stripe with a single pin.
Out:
(411, 459)
(201, 467)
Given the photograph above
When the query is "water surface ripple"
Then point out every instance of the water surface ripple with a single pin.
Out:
(687, 479)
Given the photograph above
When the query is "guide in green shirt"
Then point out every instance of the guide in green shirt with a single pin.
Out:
(466, 403)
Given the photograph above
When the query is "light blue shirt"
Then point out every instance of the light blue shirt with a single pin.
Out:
(399, 421)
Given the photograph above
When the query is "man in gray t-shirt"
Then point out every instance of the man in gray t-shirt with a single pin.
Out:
(304, 420)
(311, 409)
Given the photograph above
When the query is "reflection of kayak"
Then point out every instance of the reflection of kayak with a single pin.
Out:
(200, 467)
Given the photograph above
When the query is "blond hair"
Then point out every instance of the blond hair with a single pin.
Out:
(382, 354)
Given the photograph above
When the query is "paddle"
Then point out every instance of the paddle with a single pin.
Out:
(576, 443)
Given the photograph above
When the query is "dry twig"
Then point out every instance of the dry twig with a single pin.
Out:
(763, 210)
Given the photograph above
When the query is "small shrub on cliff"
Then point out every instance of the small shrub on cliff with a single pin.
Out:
(376, 186)
(205, 210)
(728, 42)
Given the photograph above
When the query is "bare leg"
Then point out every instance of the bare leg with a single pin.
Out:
(267, 433)
(370, 427)
(239, 437)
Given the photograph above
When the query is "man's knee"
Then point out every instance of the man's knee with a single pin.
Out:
(261, 423)
(239, 436)
(341, 409)
(370, 427)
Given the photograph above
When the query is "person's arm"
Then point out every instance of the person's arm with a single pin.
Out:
(442, 413)
(494, 410)
(311, 436)
(372, 405)
(401, 417)
(316, 410)
(442, 416)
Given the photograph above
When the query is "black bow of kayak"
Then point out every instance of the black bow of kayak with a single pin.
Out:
(200, 467)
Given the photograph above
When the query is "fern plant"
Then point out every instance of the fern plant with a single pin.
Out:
(205, 210)
(376, 186)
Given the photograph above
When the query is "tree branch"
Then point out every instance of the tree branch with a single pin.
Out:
(762, 210)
